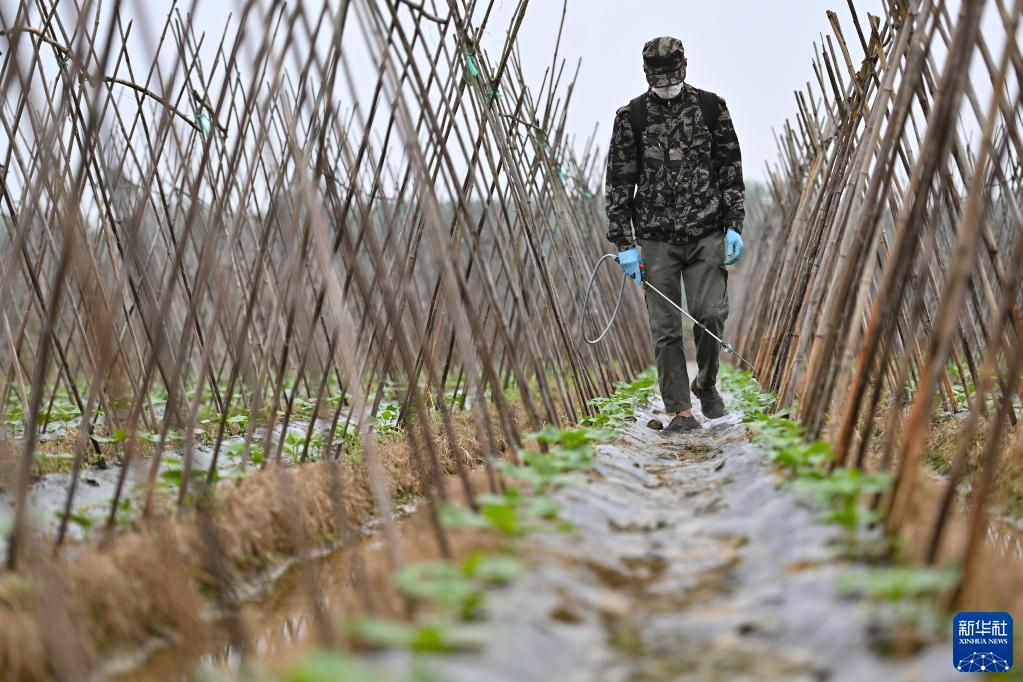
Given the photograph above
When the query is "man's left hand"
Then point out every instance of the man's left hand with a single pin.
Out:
(733, 247)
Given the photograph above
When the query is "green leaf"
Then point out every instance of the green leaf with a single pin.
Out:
(443, 584)
(329, 666)
(454, 516)
(896, 584)
(79, 519)
(501, 512)
(441, 637)
(543, 507)
(492, 569)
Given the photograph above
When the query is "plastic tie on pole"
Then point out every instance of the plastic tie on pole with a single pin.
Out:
(203, 124)
(562, 175)
(62, 62)
(471, 62)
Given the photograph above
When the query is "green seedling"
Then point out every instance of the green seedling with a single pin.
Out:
(787, 447)
(620, 407)
(148, 437)
(511, 513)
(123, 516)
(491, 569)
(437, 637)
(544, 471)
(328, 666)
(901, 583)
(456, 590)
(442, 584)
(89, 516)
(236, 448)
(842, 492)
(295, 442)
(505, 513)
(52, 462)
(569, 438)
(962, 388)
(385, 423)
(171, 476)
(62, 411)
(349, 439)
(746, 395)
(458, 517)
(118, 436)
(300, 407)
(241, 420)
(802, 459)
(539, 472)
(80, 519)
(453, 399)
(14, 413)
(204, 397)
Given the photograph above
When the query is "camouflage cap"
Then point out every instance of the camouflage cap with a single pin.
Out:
(664, 62)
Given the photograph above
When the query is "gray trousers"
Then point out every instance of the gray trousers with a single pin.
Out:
(700, 264)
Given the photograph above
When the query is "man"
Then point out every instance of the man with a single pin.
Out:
(674, 176)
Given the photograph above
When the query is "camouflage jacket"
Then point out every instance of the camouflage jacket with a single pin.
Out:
(683, 193)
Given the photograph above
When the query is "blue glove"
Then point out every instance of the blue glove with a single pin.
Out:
(733, 246)
(631, 264)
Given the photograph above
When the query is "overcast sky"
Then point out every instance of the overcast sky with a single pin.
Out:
(754, 53)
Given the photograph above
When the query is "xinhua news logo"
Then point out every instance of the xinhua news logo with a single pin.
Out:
(982, 641)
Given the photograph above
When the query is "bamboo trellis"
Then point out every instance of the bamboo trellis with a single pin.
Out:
(191, 231)
(892, 253)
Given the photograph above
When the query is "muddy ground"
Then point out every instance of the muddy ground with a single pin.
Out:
(691, 560)
(47, 493)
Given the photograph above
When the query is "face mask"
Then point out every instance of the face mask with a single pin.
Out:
(668, 92)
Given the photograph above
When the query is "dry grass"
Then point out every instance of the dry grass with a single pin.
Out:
(156, 578)
(995, 581)
(943, 442)
(22, 655)
(1008, 484)
(56, 455)
(1000, 565)
(8, 464)
(945, 439)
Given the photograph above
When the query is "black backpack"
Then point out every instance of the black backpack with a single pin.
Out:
(637, 113)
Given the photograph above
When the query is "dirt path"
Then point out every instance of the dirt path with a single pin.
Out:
(690, 561)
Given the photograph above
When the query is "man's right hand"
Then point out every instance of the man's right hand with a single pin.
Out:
(631, 264)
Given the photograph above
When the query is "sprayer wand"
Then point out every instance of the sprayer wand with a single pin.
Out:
(725, 346)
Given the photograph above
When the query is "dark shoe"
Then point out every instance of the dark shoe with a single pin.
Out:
(680, 424)
(711, 404)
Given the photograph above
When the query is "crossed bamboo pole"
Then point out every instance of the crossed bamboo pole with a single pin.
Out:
(889, 263)
(261, 232)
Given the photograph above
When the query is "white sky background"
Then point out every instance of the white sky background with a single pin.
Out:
(754, 53)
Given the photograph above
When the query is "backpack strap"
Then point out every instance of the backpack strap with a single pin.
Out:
(709, 105)
(711, 108)
(637, 116)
